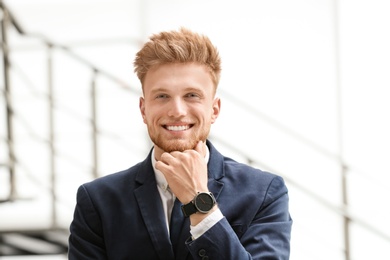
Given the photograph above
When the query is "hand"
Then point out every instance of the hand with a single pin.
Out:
(185, 172)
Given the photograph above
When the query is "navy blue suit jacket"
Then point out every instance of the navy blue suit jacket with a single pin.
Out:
(120, 216)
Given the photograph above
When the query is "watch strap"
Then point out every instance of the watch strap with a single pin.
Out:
(188, 209)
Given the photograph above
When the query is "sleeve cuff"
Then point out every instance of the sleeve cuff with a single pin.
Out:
(206, 224)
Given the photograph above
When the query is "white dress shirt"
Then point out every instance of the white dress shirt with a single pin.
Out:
(168, 199)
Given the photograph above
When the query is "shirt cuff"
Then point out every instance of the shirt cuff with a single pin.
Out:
(206, 224)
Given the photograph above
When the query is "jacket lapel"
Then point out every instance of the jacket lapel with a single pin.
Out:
(152, 211)
(216, 171)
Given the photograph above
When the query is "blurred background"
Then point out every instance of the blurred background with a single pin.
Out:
(305, 94)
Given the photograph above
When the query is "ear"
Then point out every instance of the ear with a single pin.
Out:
(216, 109)
(142, 108)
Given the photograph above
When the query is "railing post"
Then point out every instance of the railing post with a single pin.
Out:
(8, 103)
(346, 218)
(343, 167)
(95, 133)
(51, 139)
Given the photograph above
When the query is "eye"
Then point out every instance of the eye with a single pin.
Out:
(161, 96)
(193, 95)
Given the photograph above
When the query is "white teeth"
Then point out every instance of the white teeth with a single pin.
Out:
(178, 127)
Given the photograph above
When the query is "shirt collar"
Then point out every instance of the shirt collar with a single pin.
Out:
(160, 178)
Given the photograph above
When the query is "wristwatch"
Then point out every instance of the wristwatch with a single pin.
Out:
(203, 203)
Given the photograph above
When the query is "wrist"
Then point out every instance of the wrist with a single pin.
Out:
(196, 218)
(203, 202)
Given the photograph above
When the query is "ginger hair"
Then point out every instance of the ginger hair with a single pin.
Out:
(182, 46)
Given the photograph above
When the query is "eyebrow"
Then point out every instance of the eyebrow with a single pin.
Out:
(187, 89)
(158, 90)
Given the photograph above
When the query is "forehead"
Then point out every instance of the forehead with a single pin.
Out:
(178, 76)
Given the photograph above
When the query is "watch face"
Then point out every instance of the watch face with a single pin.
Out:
(204, 202)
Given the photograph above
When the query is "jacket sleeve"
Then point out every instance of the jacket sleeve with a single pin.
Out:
(85, 240)
(266, 236)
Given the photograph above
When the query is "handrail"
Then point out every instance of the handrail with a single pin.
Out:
(273, 122)
(85, 62)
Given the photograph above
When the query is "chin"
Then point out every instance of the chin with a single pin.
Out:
(179, 146)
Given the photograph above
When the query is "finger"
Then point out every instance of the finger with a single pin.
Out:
(161, 165)
(166, 158)
(175, 154)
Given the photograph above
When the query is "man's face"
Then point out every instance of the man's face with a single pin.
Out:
(178, 106)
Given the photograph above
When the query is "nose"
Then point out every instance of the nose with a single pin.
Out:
(177, 108)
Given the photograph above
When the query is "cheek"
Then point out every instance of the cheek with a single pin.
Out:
(151, 117)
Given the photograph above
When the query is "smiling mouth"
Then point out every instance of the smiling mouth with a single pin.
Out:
(177, 127)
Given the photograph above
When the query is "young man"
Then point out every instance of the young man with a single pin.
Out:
(226, 210)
